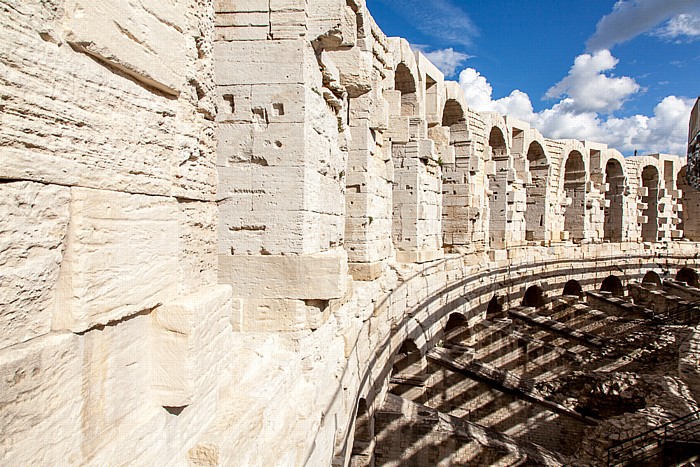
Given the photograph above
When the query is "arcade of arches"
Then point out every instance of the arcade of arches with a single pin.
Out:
(265, 233)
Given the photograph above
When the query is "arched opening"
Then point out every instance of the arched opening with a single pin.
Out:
(407, 359)
(573, 287)
(613, 284)
(404, 82)
(614, 195)
(452, 113)
(494, 310)
(362, 447)
(536, 193)
(498, 183)
(456, 328)
(534, 296)
(650, 181)
(652, 279)
(575, 188)
(688, 275)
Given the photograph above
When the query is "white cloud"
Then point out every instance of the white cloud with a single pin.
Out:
(683, 27)
(631, 18)
(447, 60)
(590, 89)
(664, 131)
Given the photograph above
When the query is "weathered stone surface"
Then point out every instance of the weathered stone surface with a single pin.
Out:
(33, 226)
(362, 208)
(320, 276)
(40, 394)
(121, 258)
(143, 38)
(192, 341)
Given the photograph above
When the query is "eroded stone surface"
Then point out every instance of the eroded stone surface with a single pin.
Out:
(33, 226)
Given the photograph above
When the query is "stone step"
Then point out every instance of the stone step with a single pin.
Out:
(406, 428)
(528, 315)
(504, 381)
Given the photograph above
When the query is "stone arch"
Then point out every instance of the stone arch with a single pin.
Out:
(455, 321)
(405, 82)
(494, 309)
(653, 279)
(536, 207)
(497, 142)
(573, 287)
(457, 327)
(408, 358)
(362, 452)
(575, 188)
(613, 284)
(650, 196)
(615, 200)
(498, 183)
(534, 296)
(452, 113)
(689, 276)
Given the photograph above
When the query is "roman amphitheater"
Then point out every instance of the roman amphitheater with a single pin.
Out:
(262, 233)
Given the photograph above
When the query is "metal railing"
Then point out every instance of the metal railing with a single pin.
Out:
(650, 444)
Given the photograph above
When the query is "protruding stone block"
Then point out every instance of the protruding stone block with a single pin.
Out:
(121, 258)
(192, 338)
(320, 276)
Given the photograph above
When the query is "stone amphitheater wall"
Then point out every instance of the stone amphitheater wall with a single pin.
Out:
(222, 219)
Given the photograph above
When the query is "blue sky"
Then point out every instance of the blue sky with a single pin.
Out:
(624, 72)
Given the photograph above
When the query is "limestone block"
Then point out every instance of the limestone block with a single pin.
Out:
(238, 33)
(319, 276)
(275, 315)
(191, 339)
(198, 222)
(333, 22)
(142, 38)
(237, 6)
(115, 135)
(40, 388)
(33, 225)
(355, 66)
(121, 257)
(268, 62)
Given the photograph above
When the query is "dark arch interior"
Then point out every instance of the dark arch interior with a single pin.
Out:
(575, 187)
(573, 287)
(405, 82)
(364, 433)
(650, 180)
(407, 355)
(497, 141)
(536, 193)
(688, 275)
(534, 296)
(453, 113)
(652, 278)
(613, 285)
(495, 307)
(615, 179)
(455, 321)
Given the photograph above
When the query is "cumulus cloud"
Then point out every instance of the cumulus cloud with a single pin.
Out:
(664, 131)
(590, 89)
(441, 19)
(447, 60)
(631, 18)
(683, 28)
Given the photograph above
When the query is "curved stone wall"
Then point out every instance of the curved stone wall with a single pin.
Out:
(222, 219)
